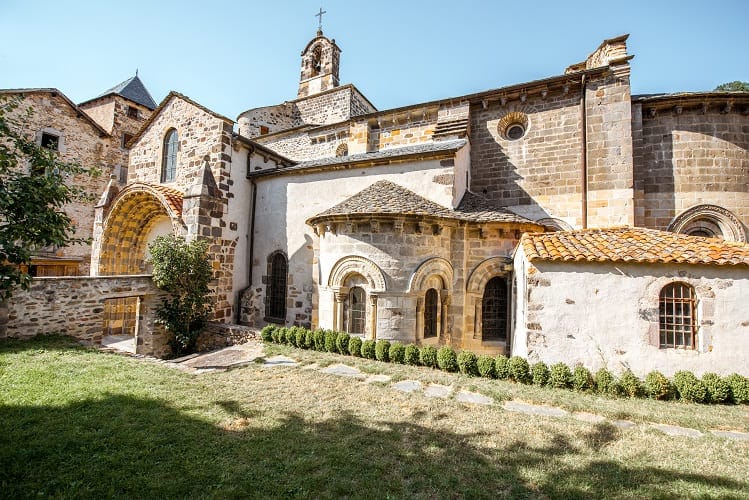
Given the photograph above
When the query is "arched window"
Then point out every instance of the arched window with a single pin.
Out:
(431, 301)
(494, 310)
(676, 308)
(169, 156)
(275, 300)
(356, 311)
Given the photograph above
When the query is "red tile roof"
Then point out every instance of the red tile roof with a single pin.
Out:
(630, 244)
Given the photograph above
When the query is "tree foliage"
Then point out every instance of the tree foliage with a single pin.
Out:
(183, 270)
(735, 86)
(35, 184)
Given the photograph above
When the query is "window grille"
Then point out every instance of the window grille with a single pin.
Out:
(276, 295)
(430, 313)
(494, 310)
(676, 308)
(169, 159)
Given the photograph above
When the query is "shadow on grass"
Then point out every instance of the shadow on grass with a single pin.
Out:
(125, 446)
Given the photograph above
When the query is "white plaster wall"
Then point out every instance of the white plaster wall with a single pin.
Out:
(604, 314)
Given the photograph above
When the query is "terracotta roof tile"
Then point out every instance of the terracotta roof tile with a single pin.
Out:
(630, 244)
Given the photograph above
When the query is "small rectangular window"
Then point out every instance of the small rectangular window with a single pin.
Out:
(125, 139)
(50, 141)
(132, 112)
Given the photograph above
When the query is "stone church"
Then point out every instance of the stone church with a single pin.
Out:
(563, 219)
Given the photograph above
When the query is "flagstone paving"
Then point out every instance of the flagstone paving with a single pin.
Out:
(244, 354)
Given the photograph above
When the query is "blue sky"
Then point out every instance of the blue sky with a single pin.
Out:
(232, 56)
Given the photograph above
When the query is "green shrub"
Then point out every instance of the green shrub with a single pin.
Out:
(412, 355)
(267, 332)
(397, 353)
(539, 373)
(631, 385)
(368, 349)
(718, 390)
(309, 339)
(341, 343)
(582, 379)
(658, 386)
(354, 346)
(485, 365)
(689, 387)
(468, 363)
(519, 370)
(502, 367)
(447, 360)
(739, 388)
(330, 341)
(382, 350)
(319, 340)
(606, 383)
(428, 356)
(560, 376)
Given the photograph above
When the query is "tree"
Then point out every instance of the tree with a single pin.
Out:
(735, 86)
(183, 270)
(33, 191)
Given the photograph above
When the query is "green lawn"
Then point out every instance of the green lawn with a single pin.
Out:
(77, 422)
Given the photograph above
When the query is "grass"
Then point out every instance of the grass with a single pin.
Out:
(77, 422)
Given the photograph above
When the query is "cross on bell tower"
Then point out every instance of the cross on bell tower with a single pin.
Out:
(320, 60)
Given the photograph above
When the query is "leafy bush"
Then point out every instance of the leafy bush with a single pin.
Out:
(428, 356)
(267, 332)
(412, 355)
(582, 379)
(718, 390)
(309, 339)
(354, 346)
(485, 365)
(606, 383)
(319, 340)
(301, 337)
(560, 376)
(330, 341)
(739, 388)
(447, 359)
(341, 343)
(539, 373)
(502, 367)
(368, 349)
(519, 370)
(468, 363)
(658, 386)
(689, 387)
(631, 385)
(382, 350)
(397, 352)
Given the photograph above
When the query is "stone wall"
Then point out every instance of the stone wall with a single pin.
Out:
(606, 315)
(690, 155)
(75, 306)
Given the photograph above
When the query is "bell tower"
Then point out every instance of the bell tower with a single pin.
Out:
(320, 61)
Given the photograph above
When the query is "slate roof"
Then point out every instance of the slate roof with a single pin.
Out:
(630, 244)
(373, 157)
(388, 198)
(132, 89)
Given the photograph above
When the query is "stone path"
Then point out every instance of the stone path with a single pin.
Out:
(253, 352)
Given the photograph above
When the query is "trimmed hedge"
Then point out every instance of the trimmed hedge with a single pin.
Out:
(412, 355)
(711, 388)
(428, 356)
(382, 350)
(447, 360)
(354, 346)
(368, 349)
(468, 363)
(397, 353)
(485, 365)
